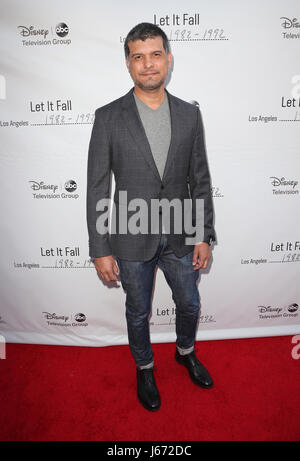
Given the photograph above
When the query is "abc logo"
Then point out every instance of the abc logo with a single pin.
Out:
(70, 186)
(293, 307)
(62, 29)
(80, 317)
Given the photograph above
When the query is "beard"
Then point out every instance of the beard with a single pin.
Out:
(150, 84)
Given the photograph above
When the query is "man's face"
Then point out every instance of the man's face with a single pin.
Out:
(148, 63)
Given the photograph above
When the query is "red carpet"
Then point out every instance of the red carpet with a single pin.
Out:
(85, 393)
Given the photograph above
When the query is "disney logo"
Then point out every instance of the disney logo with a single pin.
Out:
(55, 317)
(41, 185)
(289, 23)
(27, 31)
(282, 182)
(263, 309)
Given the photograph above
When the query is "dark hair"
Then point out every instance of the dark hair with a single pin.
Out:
(143, 31)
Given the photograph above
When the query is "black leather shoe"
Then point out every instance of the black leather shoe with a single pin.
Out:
(198, 373)
(147, 391)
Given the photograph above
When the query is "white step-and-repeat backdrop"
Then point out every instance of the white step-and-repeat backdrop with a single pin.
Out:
(60, 60)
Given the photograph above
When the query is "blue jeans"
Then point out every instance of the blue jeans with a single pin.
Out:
(137, 280)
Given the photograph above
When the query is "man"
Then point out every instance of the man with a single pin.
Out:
(153, 142)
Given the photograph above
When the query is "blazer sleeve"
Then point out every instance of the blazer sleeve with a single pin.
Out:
(98, 185)
(200, 184)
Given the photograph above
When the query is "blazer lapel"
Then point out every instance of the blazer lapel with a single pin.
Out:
(175, 133)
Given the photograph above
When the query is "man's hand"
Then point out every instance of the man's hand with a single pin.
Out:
(106, 268)
(201, 255)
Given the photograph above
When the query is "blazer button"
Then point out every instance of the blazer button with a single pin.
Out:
(162, 186)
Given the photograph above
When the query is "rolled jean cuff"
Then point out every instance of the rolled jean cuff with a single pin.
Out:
(146, 367)
(185, 351)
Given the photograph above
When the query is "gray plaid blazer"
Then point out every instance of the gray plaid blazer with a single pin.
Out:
(119, 144)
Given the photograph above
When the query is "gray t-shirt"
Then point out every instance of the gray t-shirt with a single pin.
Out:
(157, 125)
